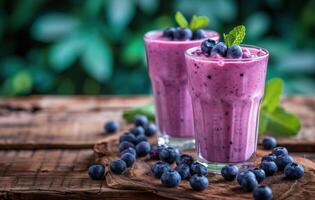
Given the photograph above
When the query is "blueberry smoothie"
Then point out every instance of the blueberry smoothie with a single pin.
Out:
(167, 71)
(226, 88)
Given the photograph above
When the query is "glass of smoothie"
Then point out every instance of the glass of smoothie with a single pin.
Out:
(226, 95)
(168, 74)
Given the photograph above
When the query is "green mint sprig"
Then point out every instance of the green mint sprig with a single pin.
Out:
(196, 22)
(235, 36)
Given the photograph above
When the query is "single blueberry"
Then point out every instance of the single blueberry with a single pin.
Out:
(141, 138)
(198, 183)
(143, 148)
(141, 120)
(118, 166)
(158, 168)
(207, 45)
(185, 159)
(229, 172)
(136, 131)
(155, 152)
(242, 174)
(234, 51)
(170, 178)
(183, 170)
(111, 127)
(262, 193)
(259, 174)
(168, 154)
(269, 143)
(280, 151)
(129, 137)
(125, 145)
(220, 49)
(249, 182)
(283, 160)
(294, 171)
(182, 33)
(129, 150)
(150, 130)
(129, 159)
(199, 34)
(96, 172)
(269, 167)
(169, 32)
(198, 168)
(269, 157)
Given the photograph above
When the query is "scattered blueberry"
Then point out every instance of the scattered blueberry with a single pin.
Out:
(182, 33)
(141, 138)
(129, 150)
(138, 130)
(294, 171)
(125, 145)
(269, 167)
(155, 152)
(269, 157)
(143, 148)
(220, 49)
(198, 183)
(170, 178)
(185, 159)
(168, 154)
(198, 168)
(280, 151)
(207, 45)
(129, 137)
(96, 172)
(199, 34)
(158, 168)
(150, 130)
(118, 166)
(283, 160)
(183, 170)
(259, 174)
(249, 182)
(234, 51)
(269, 143)
(128, 158)
(243, 174)
(262, 193)
(111, 126)
(229, 172)
(141, 120)
(169, 32)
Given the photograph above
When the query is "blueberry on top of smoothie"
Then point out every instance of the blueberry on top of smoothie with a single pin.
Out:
(207, 46)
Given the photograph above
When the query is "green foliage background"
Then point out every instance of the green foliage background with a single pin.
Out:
(96, 46)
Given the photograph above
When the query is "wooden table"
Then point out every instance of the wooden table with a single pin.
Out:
(46, 144)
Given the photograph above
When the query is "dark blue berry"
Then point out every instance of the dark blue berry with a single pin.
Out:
(269, 157)
(182, 33)
(243, 174)
(249, 182)
(185, 159)
(111, 127)
(141, 138)
(141, 120)
(155, 152)
(234, 51)
(129, 137)
(198, 168)
(169, 32)
(96, 172)
(269, 143)
(129, 159)
(129, 150)
(199, 34)
(207, 45)
(170, 178)
(269, 167)
(283, 160)
(293, 171)
(136, 131)
(198, 183)
(168, 154)
(259, 174)
(220, 49)
(125, 145)
(118, 166)
(158, 168)
(143, 148)
(150, 130)
(183, 170)
(229, 172)
(262, 193)
(280, 151)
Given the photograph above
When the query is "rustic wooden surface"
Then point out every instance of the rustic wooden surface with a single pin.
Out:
(46, 144)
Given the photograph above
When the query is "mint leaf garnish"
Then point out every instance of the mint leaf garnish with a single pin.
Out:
(181, 20)
(147, 110)
(235, 36)
(273, 93)
(198, 22)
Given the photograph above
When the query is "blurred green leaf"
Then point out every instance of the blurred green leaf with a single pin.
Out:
(92, 8)
(298, 62)
(148, 6)
(120, 12)
(133, 51)
(147, 110)
(52, 26)
(257, 24)
(273, 92)
(21, 82)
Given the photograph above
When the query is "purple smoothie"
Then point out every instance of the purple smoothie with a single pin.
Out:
(167, 71)
(226, 95)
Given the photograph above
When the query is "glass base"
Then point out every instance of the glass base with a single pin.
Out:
(215, 167)
(177, 142)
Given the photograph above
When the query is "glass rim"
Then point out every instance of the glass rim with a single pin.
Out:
(146, 38)
(189, 51)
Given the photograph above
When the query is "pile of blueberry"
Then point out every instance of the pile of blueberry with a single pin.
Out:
(183, 34)
(278, 160)
(210, 47)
